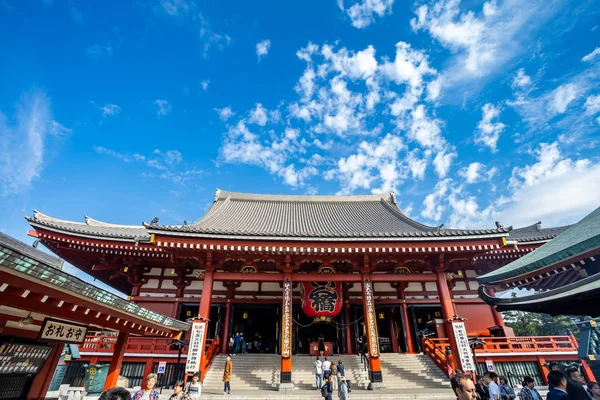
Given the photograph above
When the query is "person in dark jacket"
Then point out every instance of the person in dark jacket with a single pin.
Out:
(553, 367)
(576, 385)
(559, 386)
(329, 385)
(117, 393)
(340, 368)
(481, 389)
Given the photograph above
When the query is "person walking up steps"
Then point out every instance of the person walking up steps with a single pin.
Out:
(326, 369)
(342, 387)
(227, 376)
(318, 373)
(237, 342)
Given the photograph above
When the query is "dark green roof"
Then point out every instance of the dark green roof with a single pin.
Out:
(579, 238)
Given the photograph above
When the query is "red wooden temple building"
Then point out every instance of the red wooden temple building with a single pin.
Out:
(252, 260)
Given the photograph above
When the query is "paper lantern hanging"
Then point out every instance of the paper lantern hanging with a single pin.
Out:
(321, 299)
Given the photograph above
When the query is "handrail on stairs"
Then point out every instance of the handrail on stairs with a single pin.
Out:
(437, 354)
(212, 349)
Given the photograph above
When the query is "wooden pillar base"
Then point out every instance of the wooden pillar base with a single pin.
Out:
(117, 359)
(375, 375)
(285, 376)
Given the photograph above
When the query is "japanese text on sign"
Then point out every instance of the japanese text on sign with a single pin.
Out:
(62, 331)
(462, 344)
(196, 347)
(286, 321)
(370, 320)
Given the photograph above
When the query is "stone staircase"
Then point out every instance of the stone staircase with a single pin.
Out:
(260, 372)
(411, 371)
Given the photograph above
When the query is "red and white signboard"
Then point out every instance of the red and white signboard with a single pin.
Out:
(196, 347)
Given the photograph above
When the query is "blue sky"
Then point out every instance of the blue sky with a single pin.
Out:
(469, 111)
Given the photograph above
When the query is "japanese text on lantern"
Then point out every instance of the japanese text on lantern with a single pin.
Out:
(323, 297)
(195, 347)
(286, 337)
(62, 331)
(370, 318)
(462, 343)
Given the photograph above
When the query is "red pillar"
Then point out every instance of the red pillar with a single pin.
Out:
(225, 335)
(347, 328)
(117, 359)
(411, 347)
(447, 314)
(375, 375)
(148, 368)
(497, 316)
(41, 382)
(207, 287)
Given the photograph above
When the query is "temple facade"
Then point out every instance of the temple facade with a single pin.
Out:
(284, 270)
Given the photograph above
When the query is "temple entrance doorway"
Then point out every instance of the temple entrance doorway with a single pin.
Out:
(307, 331)
(260, 325)
(427, 321)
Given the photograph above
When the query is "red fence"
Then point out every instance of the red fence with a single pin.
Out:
(106, 344)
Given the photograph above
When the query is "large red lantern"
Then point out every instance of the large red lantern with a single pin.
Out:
(321, 299)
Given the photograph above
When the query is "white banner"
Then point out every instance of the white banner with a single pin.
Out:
(286, 321)
(196, 347)
(462, 343)
(370, 319)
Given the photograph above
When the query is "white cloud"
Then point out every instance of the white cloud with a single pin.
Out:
(590, 57)
(409, 66)
(481, 43)
(488, 131)
(163, 107)
(225, 113)
(204, 84)
(521, 80)
(443, 161)
(363, 13)
(425, 131)
(592, 105)
(99, 51)
(476, 172)
(258, 115)
(262, 48)
(433, 203)
(563, 95)
(416, 165)
(24, 141)
(110, 110)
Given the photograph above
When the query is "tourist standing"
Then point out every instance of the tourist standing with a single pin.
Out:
(576, 385)
(178, 393)
(528, 392)
(341, 369)
(237, 341)
(231, 344)
(482, 389)
(342, 387)
(148, 393)
(559, 386)
(227, 376)
(463, 387)
(194, 388)
(329, 388)
(321, 344)
(553, 367)
(491, 379)
(593, 390)
(318, 373)
(326, 369)
(506, 391)
(334, 372)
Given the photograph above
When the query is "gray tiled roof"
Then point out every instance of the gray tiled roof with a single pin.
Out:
(535, 232)
(29, 251)
(282, 216)
(91, 227)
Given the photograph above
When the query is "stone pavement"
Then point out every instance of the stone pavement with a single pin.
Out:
(405, 394)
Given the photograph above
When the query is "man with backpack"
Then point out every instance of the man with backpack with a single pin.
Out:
(343, 387)
(318, 373)
(327, 389)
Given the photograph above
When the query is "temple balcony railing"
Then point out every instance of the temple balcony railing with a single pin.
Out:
(145, 345)
(498, 346)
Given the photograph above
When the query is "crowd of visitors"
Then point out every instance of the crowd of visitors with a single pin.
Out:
(331, 377)
(568, 385)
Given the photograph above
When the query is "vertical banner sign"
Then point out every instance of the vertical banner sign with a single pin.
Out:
(462, 344)
(286, 321)
(370, 319)
(196, 347)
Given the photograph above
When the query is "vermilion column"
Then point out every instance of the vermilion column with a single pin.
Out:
(497, 316)
(206, 296)
(411, 348)
(42, 381)
(225, 335)
(375, 375)
(116, 361)
(347, 328)
(447, 314)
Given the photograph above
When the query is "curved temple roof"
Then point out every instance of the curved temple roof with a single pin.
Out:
(242, 215)
(535, 233)
(281, 216)
(577, 239)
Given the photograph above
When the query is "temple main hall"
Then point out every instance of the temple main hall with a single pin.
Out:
(285, 269)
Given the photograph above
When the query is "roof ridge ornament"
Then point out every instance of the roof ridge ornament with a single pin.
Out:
(499, 225)
(393, 196)
(154, 221)
(217, 193)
